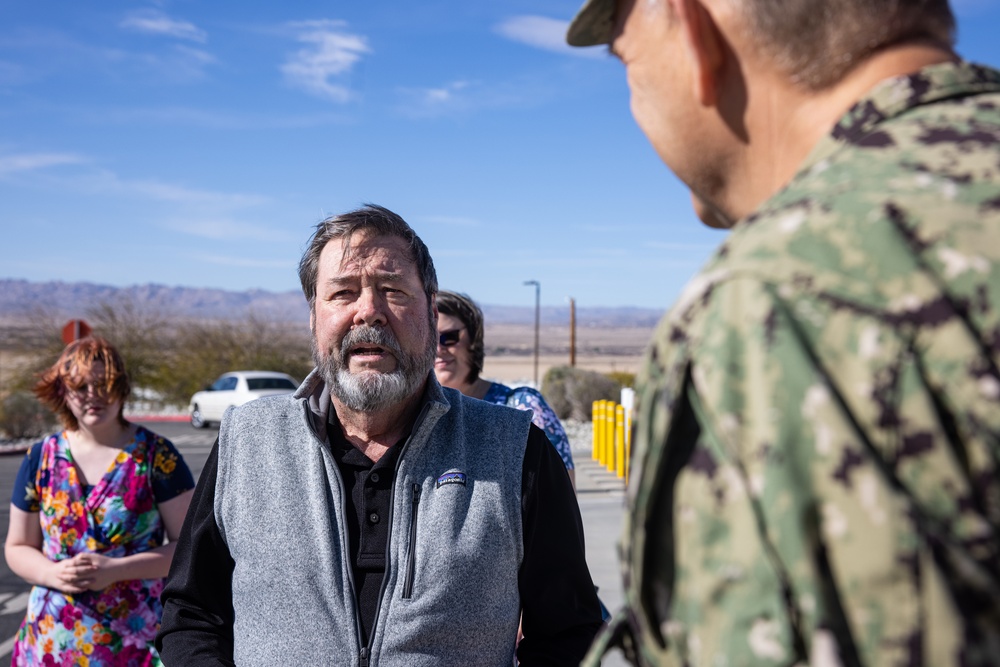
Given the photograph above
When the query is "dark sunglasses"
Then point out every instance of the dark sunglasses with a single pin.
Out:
(449, 338)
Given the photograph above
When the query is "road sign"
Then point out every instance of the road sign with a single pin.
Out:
(75, 330)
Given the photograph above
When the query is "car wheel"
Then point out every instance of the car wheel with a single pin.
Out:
(196, 419)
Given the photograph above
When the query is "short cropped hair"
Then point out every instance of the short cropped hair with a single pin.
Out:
(817, 43)
(463, 308)
(369, 218)
(72, 371)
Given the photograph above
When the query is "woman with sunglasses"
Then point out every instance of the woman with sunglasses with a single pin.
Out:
(459, 362)
(91, 510)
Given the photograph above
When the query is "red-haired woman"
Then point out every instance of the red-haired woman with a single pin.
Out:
(90, 512)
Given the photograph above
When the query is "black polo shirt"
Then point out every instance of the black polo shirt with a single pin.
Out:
(553, 533)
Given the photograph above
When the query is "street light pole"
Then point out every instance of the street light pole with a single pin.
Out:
(572, 332)
(538, 296)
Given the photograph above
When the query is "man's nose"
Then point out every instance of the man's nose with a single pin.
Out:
(370, 308)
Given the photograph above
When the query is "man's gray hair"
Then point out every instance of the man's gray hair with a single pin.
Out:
(377, 220)
(818, 43)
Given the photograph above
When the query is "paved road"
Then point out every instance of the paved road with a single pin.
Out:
(600, 496)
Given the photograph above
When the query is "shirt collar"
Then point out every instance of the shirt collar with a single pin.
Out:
(893, 97)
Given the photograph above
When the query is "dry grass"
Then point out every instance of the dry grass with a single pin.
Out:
(509, 352)
(510, 347)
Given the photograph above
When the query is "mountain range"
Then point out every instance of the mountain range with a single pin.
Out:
(18, 298)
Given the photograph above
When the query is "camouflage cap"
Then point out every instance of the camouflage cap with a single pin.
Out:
(593, 24)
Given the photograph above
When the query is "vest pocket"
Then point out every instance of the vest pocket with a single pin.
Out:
(411, 558)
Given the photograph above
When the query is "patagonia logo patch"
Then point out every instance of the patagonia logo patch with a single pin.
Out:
(451, 477)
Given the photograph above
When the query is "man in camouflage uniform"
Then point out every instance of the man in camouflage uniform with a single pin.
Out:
(815, 461)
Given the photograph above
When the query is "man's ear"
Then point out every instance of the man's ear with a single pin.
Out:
(706, 47)
(312, 319)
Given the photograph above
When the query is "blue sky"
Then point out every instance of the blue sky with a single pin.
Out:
(196, 143)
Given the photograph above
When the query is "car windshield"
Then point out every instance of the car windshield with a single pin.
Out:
(255, 384)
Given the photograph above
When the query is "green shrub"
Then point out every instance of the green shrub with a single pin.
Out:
(572, 391)
(203, 350)
(22, 416)
(623, 378)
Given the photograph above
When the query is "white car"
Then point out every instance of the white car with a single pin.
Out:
(236, 388)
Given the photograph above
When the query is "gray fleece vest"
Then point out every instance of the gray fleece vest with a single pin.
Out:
(450, 593)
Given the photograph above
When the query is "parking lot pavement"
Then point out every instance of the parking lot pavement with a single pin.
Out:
(601, 496)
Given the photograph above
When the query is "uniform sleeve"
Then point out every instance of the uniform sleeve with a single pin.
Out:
(729, 522)
(783, 539)
(171, 475)
(561, 614)
(197, 626)
(526, 398)
(25, 493)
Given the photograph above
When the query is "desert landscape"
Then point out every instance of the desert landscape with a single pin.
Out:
(510, 358)
(159, 327)
(509, 351)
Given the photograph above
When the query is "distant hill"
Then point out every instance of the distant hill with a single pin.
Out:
(18, 298)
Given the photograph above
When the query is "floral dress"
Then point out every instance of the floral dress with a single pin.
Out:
(116, 517)
(542, 416)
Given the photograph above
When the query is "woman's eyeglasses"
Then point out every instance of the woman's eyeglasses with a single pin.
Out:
(449, 338)
(83, 389)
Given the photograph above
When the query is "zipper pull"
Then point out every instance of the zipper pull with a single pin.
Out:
(416, 494)
(364, 656)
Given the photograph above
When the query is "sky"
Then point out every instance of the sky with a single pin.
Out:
(195, 143)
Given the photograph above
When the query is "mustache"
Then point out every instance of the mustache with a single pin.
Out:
(368, 335)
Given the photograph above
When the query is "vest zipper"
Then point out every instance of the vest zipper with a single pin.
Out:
(344, 541)
(367, 651)
(411, 559)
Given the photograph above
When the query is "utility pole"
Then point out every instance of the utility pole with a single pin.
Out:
(572, 332)
(538, 296)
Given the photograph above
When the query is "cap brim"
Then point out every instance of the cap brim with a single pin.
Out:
(593, 24)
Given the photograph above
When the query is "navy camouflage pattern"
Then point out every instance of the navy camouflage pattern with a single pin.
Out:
(817, 443)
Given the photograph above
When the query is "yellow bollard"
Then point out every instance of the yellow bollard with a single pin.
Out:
(609, 460)
(605, 446)
(595, 411)
(602, 431)
(609, 436)
(620, 441)
(599, 425)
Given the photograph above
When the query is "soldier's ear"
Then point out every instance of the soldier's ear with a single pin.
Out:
(706, 46)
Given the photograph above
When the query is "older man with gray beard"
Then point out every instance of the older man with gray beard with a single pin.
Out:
(376, 518)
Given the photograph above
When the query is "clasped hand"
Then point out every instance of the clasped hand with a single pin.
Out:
(82, 572)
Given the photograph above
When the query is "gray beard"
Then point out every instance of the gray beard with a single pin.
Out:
(373, 391)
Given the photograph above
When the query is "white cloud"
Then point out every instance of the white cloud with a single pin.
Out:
(224, 229)
(10, 164)
(155, 22)
(223, 120)
(543, 33)
(179, 194)
(330, 53)
(196, 55)
(444, 94)
(464, 97)
(96, 181)
(247, 262)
